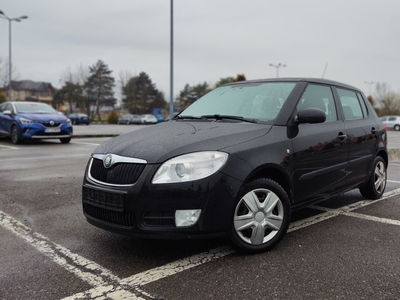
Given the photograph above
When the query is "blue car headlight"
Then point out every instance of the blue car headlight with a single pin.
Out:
(189, 167)
(26, 121)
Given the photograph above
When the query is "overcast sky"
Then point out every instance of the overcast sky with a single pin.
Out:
(352, 41)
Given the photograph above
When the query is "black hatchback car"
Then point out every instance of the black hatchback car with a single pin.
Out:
(237, 162)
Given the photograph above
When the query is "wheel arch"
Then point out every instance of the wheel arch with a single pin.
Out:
(275, 173)
(385, 156)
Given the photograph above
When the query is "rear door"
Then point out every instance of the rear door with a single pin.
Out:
(320, 154)
(361, 139)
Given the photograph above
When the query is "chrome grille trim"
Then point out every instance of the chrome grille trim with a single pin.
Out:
(115, 160)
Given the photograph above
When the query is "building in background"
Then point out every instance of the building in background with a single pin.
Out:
(28, 90)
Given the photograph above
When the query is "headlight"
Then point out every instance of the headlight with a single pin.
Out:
(188, 167)
(26, 121)
(68, 121)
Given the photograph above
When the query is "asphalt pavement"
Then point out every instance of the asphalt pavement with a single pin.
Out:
(343, 248)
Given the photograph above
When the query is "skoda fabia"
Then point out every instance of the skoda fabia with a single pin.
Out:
(237, 162)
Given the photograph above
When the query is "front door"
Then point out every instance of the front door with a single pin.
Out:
(320, 154)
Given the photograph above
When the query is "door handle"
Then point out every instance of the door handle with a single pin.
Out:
(341, 136)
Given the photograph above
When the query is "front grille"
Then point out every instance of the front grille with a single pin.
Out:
(103, 199)
(120, 173)
(47, 124)
(126, 219)
(159, 218)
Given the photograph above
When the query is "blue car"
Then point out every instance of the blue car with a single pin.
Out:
(33, 120)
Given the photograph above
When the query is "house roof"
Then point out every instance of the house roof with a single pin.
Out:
(29, 85)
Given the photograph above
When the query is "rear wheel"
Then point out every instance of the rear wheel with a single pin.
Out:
(396, 127)
(376, 184)
(16, 137)
(261, 217)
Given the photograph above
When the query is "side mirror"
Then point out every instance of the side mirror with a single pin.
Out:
(7, 112)
(311, 115)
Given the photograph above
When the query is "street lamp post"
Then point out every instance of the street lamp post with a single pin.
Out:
(369, 83)
(4, 16)
(277, 68)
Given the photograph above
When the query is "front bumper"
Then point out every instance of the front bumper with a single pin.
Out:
(148, 210)
(39, 131)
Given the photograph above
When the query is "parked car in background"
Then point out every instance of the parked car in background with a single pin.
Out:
(159, 118)
(392, 122)
(237, 162)
(33, 120)
(129, 119)
(148, 119)
(78, 118)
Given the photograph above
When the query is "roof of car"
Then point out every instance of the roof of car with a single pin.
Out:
(295, 79)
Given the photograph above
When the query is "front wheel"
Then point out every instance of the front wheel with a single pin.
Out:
(16, 135)
(65, 140)
(261, 217)
(377, 180)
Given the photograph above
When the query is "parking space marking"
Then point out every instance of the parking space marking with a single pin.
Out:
(393, 181)
(8, 147)
(372, 218)
(106, 285)
(83, 268)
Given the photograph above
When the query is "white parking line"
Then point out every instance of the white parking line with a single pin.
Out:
(8, 147)
(107, 285)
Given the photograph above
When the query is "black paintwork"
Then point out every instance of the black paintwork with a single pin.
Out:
(311, 161)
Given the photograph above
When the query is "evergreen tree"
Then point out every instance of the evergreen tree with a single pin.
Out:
(99, 86)
(223, 81)
(190, 94)
(140, 96)
(71, 93)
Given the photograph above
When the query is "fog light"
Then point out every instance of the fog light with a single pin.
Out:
(186, 217)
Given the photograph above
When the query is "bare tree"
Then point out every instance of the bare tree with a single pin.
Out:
(388, 102)
(4, 74)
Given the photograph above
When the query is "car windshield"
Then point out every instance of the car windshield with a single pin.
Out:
(255, 102)
(34, 108)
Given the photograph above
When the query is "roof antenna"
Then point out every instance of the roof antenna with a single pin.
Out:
(323, 74)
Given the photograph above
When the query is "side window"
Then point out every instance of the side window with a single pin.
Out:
(319, 96)
(392, 119)
(350, 104)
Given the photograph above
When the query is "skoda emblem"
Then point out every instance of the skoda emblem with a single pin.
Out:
(51, 122)
(107, 161)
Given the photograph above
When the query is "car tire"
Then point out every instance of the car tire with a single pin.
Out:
(262, 204)
(16, 135)
(396, 127)
(65, 140)
(376, 184)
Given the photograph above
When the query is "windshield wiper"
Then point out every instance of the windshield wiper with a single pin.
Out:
(179, 117)
(221, 117)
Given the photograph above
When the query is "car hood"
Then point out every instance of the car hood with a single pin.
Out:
(44, 117)
(157, 143)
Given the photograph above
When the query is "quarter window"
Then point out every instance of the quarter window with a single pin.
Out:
(351, 105)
